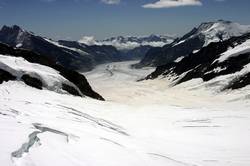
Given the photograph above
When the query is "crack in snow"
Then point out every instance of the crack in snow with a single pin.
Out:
(100, 122)
(33, 139)
(109, 140)
(174, 160)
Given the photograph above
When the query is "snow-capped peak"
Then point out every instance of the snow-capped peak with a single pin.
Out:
(216, 31)
(222, 30)
(130, 42)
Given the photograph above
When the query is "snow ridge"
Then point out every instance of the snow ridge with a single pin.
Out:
(50, 78)
(218, 31)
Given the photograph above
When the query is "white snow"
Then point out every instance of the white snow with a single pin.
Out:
(225, 29)
(50, 78)
(216, 70)
(19, 45)
(179, 59)
(233, 52)
(69, 48)
(141, 124)
(182, 41)
(21, 36)
(195, 51)
(217, 31)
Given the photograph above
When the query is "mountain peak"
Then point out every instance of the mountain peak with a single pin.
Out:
(193, 41)
(13, 28)
(224, 21)
(14, 35)
(205, 25)
(215, 31)
(16, 27)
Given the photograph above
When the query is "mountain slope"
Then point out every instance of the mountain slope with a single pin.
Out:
(136, 53)
(40, 72)
(77, 56)
(193, 42)
(99, 54)
(226, 64)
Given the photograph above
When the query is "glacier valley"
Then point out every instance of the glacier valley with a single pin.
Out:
(141, 123)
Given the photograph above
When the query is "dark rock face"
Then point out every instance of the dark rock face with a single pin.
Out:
(104, 54)
(150, 54)
(81, 82)
(99, 54)
(203, 64)
(239, 82)
(70, 90)
(107, 53)
(6, 76)
(32, 81)
(169, 53)
(136, 53)
(76, 78)
(67, 58)
(10, 34)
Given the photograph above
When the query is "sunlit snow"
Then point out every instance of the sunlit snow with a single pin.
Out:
(143, 123)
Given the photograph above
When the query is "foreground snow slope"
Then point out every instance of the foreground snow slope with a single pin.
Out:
(142, 124)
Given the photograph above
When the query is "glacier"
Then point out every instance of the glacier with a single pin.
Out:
(145, 123)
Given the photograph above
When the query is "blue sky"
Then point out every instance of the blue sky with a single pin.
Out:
(71, 19)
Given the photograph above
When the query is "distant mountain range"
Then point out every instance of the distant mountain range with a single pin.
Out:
(85, 54)
(131, 42)
(193, 41)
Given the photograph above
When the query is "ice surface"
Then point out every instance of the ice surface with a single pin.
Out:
(142, 124)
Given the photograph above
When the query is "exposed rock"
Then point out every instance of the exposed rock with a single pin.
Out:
(136, 53)
(99, 53)
(71, 55)
(239, 82)
(6, 76)
(193, 41)
(32, 81)
(81, 82)
(204, 64)
(71, 90)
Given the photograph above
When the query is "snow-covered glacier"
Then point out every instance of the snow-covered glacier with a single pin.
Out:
(143, 123)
